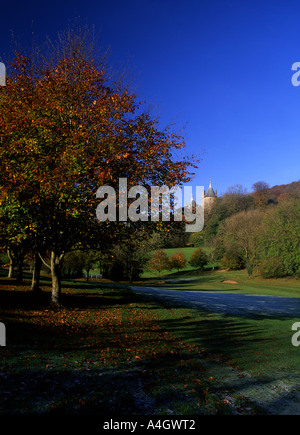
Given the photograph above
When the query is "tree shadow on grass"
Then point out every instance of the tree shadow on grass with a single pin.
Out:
(191, 288)
(153, 386)
(71, 392)
(190, 280)
(218, 336)
(28, 300)
(227, 345)
(24, 299)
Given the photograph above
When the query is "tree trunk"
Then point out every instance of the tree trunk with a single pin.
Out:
(87, 274)
(56, 283)
(35, 283)
(131, 274)
(249, 267)
(11, 264)
(212, 260)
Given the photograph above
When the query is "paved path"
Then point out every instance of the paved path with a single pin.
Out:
(229, 303)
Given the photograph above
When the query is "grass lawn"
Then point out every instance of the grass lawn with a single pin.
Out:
(260, 346)
(231, 282)
(221, 280)
(105, 352)
(111, 351)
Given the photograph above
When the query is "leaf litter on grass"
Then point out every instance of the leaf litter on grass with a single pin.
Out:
(109, 358)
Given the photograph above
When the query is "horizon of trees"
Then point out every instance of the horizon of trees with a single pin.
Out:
(257, 231)
(241, 232)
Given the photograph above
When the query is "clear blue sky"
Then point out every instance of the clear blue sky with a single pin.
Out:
(222, 69)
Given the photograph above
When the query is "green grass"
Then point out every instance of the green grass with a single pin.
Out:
(109, 350)
(215, 281)
(103, 352)
(259, 347)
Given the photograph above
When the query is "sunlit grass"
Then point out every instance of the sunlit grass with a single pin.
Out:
(235, 282)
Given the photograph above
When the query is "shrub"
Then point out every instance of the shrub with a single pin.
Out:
(197, 239)
(272, 267)
(198, 259)
(232, 261)
(177, 261)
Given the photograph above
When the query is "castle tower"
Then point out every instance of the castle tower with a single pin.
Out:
(209, 197)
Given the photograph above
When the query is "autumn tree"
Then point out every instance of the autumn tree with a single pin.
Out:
(67, 129)
(159, 262)
(198, 259)
(262, 194)
(177, 261)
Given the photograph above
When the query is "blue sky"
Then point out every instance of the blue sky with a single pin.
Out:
(221, 69)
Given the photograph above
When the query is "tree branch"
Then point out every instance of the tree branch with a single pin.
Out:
(44, 262)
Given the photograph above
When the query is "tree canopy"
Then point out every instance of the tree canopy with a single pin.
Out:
(67, 129)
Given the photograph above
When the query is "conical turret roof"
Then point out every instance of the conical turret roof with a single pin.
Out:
(210, 192)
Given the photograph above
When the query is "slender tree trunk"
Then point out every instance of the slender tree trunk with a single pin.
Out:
(11, 264)
(35, 283)
(131, 274)
(56, 279)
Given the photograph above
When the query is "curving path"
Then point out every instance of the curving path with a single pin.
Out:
(229, 303)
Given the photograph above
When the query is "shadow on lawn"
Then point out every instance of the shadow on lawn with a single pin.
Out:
(219, 335)
(214, 283)
(191, 288)
(60, 391)
(69, 392)
(28, 300)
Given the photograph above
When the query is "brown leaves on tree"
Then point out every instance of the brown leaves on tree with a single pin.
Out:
(66, 130)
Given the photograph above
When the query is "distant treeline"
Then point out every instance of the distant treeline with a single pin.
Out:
(259, 231)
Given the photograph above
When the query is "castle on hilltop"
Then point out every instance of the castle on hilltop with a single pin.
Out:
(208, 199)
